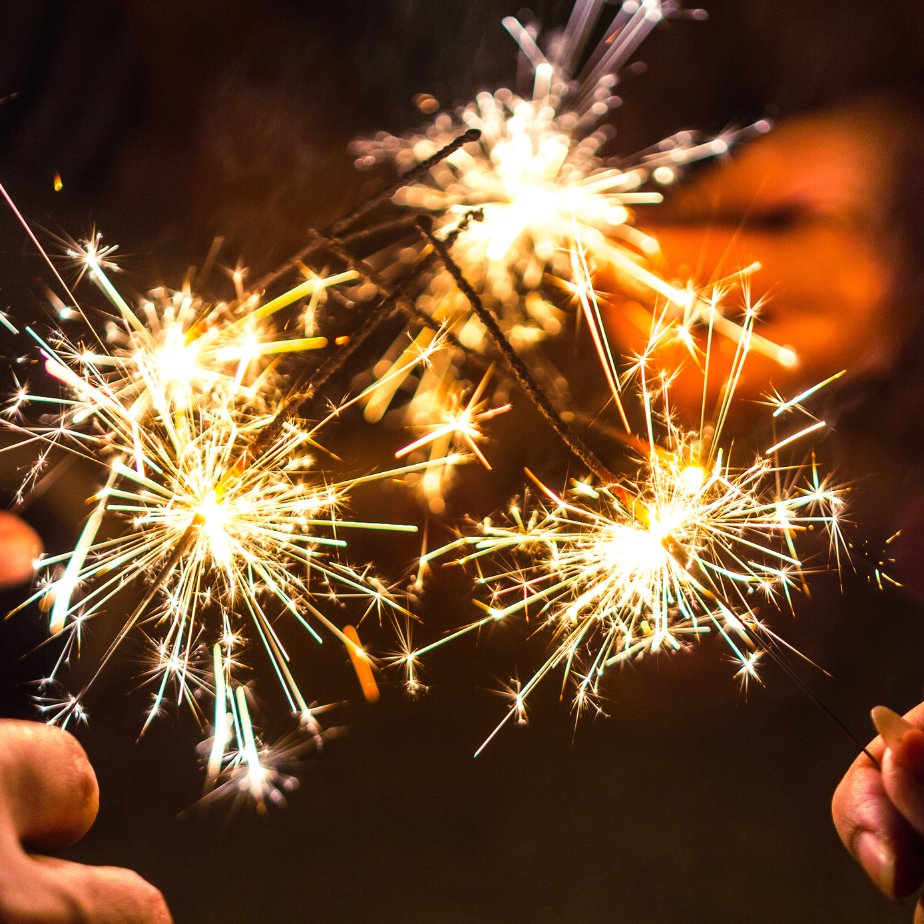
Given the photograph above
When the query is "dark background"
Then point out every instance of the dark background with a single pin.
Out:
(170, 123)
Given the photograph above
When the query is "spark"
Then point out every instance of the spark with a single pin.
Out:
(361, 664)
(213, 501)
(241, 767)
(463, 423)
(535, 185)
(691, 543)
(174, 344)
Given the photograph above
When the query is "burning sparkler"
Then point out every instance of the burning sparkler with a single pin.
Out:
(538, 188)
(173, 344)
(212, 475)
(229, 520)
(225, 513)
(691, 544)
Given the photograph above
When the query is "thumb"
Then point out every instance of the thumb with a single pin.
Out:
(60, 892)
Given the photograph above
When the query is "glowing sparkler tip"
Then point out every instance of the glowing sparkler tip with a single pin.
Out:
(788, 358)
(691, 478)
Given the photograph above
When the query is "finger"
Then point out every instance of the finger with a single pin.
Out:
(60, 892)
(903, 765)
(874, 831)
(20, 546)
(49, 791)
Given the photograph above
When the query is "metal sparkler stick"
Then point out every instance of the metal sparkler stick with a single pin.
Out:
(516, 365)
(341, 224)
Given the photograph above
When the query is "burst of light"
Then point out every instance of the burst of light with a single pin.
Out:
(449, 425)
(174, 344)
(225, 535)
(536, 180)
(691, 543)
(241, 766)
(254, 533)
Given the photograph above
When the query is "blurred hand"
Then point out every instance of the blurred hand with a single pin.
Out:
(812, 203)
(48, 800)
(880, 814)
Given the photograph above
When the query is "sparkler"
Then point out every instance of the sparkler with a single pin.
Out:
(229, 519)
(692, 543)
(174, 344)
(225, 513)
(537, 185)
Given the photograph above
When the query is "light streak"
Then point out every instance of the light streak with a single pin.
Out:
(691, 543)
(538, 185)
(213, 498)
(531, 191)
(174, 345)
(459, 423)
(362, 665)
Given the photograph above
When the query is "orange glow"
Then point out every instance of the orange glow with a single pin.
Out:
(361, 665)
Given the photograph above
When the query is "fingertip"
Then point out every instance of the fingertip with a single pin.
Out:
(84, 791)
(894, 861)
(20, 548)
(890, 725)
(49, 784)
(874, 830)
(909, 752)
(877, 858)
(101, 894)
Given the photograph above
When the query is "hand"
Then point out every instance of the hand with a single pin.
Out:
(19, 548)
(812, 202)
(880, 814)
(48, 800)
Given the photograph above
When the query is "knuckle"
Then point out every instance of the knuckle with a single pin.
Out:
(143, 903)
(152, 903)
(47, 781)
(81, 778)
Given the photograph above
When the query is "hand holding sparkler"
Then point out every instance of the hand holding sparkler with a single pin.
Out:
(879, 814)
(48, 800)
(811, 201)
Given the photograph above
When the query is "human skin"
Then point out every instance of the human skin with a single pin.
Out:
(19, 548)
(809, 203)
(48, 799)
(879, 813)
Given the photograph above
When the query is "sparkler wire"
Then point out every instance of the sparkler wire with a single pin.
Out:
(341, 224)
(301, 392)
(515, 364)
(421, 169)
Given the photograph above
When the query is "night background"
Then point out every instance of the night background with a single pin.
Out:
(170, 123)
